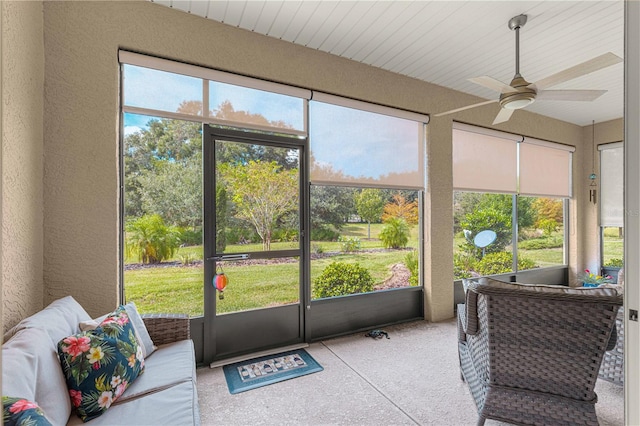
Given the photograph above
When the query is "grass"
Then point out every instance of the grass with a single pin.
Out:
(179, 289)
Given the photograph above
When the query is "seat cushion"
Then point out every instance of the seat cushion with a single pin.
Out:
(31, 370)
(170, 364)
(543, 288)
(177, 405)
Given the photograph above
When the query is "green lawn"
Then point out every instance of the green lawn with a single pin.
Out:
(179, 289)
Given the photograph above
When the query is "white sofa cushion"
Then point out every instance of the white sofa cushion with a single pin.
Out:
(60, 319)
(171, 364)
(31, 369)
(176, 406)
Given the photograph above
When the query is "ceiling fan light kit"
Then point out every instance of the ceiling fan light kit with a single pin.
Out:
(520, 93)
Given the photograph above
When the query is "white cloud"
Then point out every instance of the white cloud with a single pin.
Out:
(128, 130)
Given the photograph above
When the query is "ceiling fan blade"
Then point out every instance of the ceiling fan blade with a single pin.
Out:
(493, 84)
(465, 108)
(595, 64)
(569, 95)
(503, 115)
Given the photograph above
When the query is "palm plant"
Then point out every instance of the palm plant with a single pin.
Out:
(150, 239)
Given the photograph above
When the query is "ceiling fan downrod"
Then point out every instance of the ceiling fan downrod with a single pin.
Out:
(516, 23)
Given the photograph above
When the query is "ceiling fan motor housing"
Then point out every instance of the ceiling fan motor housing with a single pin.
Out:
(525, 94)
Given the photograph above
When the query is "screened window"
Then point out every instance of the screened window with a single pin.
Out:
(501, 180)
(612, 205)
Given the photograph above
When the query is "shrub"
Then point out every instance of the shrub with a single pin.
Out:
(549, 226)
(395, 233)
(615, 263)
(349, 244)
(463, 265)
(340, 278)
(316, 248)
(190, 236)
(149, 239)
(489, 218)
(324, 233)
(187, 258)
(500, 263)
(541, 243)
(412, 263)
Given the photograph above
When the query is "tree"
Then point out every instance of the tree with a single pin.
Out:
(401, 208)
(262, 192)
(331, 205)
(548, 210)
(173, 190)
(369, 205)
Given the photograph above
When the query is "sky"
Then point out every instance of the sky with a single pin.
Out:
(355, 142)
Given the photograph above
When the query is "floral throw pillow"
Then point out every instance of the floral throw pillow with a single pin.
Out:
(100, 364)
(21, 412)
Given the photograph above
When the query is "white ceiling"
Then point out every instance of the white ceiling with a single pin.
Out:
(447, 42)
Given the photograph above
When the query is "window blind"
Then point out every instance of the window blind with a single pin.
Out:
(484, 160)
(353, 143)
(545, 168)
(612, 184)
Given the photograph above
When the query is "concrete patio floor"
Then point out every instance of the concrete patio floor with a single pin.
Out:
(410, 379)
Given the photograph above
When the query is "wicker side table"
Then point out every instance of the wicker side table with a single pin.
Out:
(612, 367)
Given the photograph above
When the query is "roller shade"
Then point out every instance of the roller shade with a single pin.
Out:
(357, 144)
(612, 184)
(545, 169)
(484, 160)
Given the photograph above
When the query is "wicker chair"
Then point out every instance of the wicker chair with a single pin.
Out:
(531, 354)
(612, 367)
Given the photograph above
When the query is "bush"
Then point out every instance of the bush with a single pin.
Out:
(324, 233)
(615, 263)
(549, 226)
(339, 279)
(349, 244)
(463, 265)
(190, 236)
(395, 233)
(149, 239)
(480, 220)
(187, 259)
(500, 263)
(541, 243)
(412, 263)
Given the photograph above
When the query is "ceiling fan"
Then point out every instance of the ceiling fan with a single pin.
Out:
(520, 93)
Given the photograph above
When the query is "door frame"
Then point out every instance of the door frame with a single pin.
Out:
(210, 351)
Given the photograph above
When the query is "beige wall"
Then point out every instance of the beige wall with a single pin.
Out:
(587, 254)
(22, 159)
(81, 41)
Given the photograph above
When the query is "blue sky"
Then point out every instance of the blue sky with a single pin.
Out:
(358, 143)
(159, 90)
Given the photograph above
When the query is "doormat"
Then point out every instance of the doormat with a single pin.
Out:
(254, 373)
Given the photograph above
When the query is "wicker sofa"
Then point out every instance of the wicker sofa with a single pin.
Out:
(531, 353)
(164, 394)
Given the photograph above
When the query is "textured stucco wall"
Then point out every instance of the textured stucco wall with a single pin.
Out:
(22, 159)
(81, 128)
